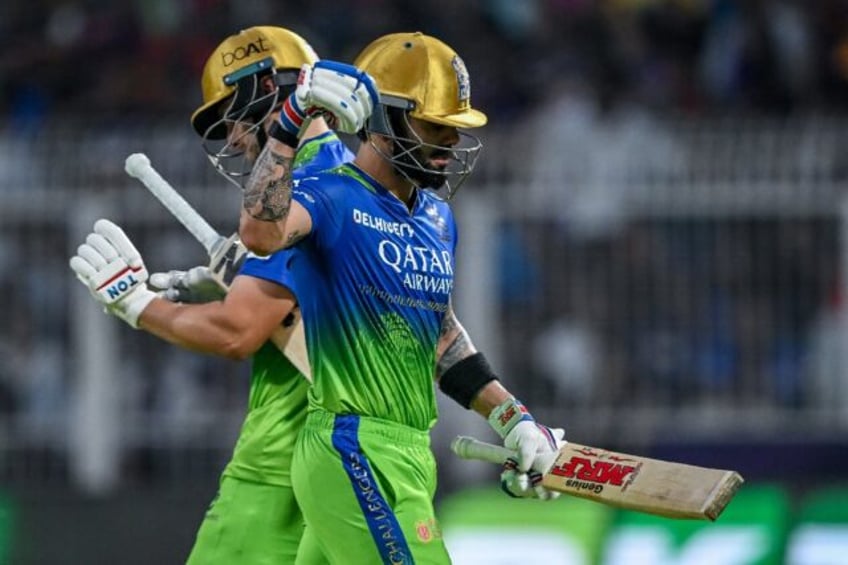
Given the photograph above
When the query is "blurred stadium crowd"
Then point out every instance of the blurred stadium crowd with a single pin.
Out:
(134, 59)
(663, 189)
(590, 103)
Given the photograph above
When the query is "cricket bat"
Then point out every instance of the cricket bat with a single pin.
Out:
(664, 488)
(226, 254)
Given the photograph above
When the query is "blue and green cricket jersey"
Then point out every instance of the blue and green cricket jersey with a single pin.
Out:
(373, 280)
(277, 402)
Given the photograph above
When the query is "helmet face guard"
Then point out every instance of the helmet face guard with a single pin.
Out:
(391, 119)
(242, 118)
(244, 80)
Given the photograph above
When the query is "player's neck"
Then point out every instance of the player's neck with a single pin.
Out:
(400, 186)
(384, 173)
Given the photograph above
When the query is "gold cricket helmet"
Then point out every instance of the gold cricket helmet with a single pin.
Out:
(425, 72)
(251, 51)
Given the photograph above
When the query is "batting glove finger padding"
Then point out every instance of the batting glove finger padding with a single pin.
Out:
(83, 269)
(539, 491)
(164, 281)
(514, 483)
(116, 236)
(112, 269)
(103, 247)
(195, 286)
(524, 485)
(341, 90)
(92, 256)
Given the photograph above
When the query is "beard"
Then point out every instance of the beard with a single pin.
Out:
(417, 167)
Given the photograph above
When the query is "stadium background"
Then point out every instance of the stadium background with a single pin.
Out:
(655, 252)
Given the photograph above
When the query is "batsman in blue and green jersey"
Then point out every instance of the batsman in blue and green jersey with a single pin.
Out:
(255, 518)
(374, 273)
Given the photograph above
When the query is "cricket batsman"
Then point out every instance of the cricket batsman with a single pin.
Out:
(247, 82)
(374, 277)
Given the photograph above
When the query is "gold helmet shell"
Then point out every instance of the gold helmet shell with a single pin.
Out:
(425, 71)
(252, 46)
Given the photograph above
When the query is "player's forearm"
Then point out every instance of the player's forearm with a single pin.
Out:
(454, 343)
(492, 395)
(267, 199)
(205, 328)
(456, 355)
(461, 371)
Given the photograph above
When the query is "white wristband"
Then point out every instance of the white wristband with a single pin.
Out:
(133, 305)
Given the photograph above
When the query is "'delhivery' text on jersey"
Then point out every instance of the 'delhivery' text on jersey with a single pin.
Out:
(277, 402)
(373, 280)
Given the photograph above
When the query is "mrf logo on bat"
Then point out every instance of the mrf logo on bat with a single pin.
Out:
(586, 469)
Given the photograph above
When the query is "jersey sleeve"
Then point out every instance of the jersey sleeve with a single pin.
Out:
(273, 268)
(320, 153)
(322, 199)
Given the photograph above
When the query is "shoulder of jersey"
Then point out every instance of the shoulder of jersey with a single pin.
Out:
(335, 176)
(305, 174)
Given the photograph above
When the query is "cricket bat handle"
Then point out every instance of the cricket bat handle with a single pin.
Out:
(225, 253)
(470, 448)
(138, 166)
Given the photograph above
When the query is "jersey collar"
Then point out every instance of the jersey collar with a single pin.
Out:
(371, 184)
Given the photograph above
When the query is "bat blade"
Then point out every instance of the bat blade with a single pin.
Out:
(633, 482)
(291, 340)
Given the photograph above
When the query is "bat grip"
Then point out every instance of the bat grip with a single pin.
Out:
(470, 448)
(138, 166)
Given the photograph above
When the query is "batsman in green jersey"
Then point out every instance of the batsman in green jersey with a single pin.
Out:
(374, 273)
(247, 82)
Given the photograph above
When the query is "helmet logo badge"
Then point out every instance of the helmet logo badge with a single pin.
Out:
(462, 80)
(243, 52)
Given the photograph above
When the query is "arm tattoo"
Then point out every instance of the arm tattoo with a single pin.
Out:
(267, 193)
(458, 349)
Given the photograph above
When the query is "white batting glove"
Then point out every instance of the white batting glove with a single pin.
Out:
(111, 267)
(195, 286)
(342, 93)
(536, 447)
